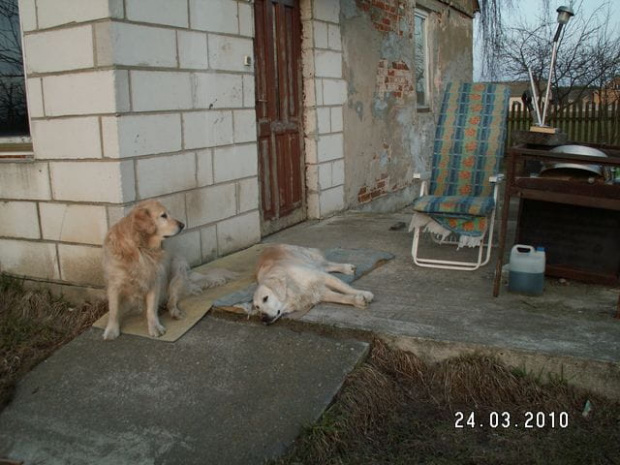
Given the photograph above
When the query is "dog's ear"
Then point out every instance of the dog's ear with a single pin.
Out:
(143, 223)
(121, 241)
(278, 286)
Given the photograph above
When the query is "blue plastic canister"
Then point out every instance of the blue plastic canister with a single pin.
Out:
(527, 270)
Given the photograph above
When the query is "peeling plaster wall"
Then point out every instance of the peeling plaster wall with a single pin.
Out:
(386, 139)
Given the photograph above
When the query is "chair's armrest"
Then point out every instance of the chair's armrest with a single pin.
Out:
(424, 177)
(496, 180)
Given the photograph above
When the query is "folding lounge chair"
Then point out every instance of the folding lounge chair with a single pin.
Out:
(458, 205)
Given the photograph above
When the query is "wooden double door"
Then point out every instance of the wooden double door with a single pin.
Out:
(281, 165)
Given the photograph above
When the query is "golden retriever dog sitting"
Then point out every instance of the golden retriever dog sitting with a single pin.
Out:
(292, 278)
(138, 272)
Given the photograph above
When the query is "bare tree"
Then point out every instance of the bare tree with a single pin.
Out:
(491, 30)
(588, 57)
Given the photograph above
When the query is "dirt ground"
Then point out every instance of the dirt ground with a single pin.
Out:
(33, 324)
(468, 410)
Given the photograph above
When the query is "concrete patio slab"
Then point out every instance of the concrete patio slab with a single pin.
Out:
(226, 393)
(569, 330)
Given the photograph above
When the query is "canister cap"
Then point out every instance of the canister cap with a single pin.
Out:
(540, 249)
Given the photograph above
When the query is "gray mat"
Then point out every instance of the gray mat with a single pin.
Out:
(365, 260)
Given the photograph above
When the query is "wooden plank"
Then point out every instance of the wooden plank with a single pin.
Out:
(543, 130)
(563, 198)
(613, 155)
(573, 187)
(15, 156)
(19, 148)
(578, 275)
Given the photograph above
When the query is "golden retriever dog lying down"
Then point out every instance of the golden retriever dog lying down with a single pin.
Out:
(292, 278)
(138, 272)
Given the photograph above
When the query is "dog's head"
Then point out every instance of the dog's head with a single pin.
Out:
(146, 225)
(151, 219)
(269, 299)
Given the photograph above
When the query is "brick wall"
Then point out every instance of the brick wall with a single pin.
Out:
(130, 100)
(389, 15)
(395, 78)
(325, 92)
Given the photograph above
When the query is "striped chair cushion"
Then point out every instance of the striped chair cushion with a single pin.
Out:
(469, 141)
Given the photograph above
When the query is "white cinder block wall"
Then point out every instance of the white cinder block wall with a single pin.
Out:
(136, 99)
(131, 99)
(325, 92)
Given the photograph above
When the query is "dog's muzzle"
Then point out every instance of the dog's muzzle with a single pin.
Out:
(268, 320)
(180, 227)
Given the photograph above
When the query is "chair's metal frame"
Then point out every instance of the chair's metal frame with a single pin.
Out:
(458, 265)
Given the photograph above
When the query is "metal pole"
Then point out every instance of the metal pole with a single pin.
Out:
(535, 97)
(548, 91)
(554, 52)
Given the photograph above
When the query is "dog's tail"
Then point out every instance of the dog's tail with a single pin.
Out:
(211, 278)
(180, 280)
(184, 278)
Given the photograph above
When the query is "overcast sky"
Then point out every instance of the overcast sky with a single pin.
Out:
(533, 11)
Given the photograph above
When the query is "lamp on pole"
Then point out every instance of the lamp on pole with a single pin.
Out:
(564, 15)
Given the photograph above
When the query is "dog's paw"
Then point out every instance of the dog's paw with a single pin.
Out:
(348, 269)
(157, 329)
(176, 313)
(111, 333)
(368, 296)
(363, 299)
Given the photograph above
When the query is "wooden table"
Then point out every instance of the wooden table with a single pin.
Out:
(579, 193)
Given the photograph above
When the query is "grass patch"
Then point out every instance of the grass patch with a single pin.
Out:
(395, 409)
(33, 324)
